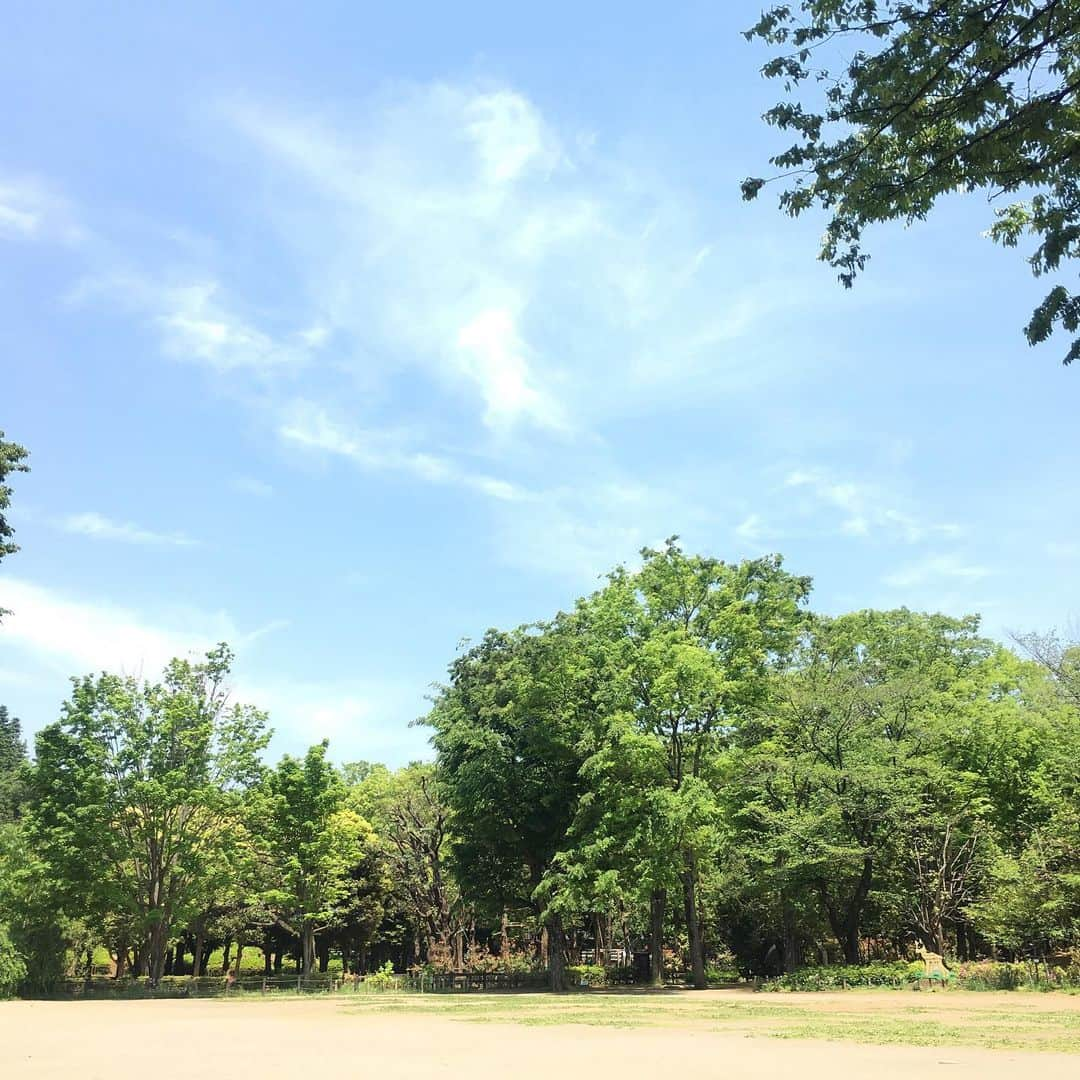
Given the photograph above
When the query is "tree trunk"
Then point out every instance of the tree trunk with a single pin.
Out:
(657, 905)
(845, 920)
(197, 952)
(693, 924)
(556, 937)
(156, 950)
(307, 947)
(789, 945)
(226, 953)
(849, 940)
(121, 959)
(239, 956)
(504, 935)
(324, 956)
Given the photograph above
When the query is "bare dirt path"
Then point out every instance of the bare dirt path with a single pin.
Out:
(310, 1038)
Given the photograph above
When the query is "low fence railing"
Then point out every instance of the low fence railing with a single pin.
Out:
(208, 986)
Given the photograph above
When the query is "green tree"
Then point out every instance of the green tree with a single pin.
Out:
(12, 459)
(12, 760)
(409, 811)
(135, 792)
(931, 97)
(507, 730)
(687, 644)
(839, 776)
(313, 841)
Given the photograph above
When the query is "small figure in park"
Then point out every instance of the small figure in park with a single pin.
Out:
(230, 979)
(936, 969)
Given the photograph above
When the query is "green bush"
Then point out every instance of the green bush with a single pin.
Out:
(587, 975)
(715, 974)
(12, 968)
(896, 973)
(383, 979)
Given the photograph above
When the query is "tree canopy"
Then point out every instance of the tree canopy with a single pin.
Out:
(896, 103)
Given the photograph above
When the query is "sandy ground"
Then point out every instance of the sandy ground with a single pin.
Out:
(310, 1038)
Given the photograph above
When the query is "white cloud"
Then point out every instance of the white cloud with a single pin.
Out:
(30, 209)
(524, 269)
(752, 529)
(867, 509)
(935, 568)
(194, 323)
(510, 135)
(102, 528)
(492, 355)
(57, 635)
(76, 636)
(378, 450)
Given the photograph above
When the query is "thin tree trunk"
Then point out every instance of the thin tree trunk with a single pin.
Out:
(197, 952)
(239, 956)
(504, 935)
(789, 945)
(693, 925)
(226, 953)
(657, 906)
(307, 947)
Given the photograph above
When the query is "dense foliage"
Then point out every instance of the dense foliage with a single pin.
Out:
(690, 774)
(896, 103)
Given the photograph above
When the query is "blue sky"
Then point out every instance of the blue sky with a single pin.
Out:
(343, 332)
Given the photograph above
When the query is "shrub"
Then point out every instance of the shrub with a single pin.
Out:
(383, 979)
(592, 975)
(12, 968)
(895, 973)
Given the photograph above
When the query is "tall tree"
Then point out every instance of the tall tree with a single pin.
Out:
(839, 773)
(932, 97)
(506, 729)
(12, 459)
(688, 646)
(314, 841)
(135, 791)
(12, 759)
(409, 811)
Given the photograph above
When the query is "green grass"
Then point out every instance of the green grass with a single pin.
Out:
(997, 1028)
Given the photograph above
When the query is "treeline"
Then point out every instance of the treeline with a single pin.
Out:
(689, 768)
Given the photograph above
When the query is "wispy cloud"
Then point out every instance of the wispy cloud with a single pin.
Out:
(31, 209)
(866, 508)
(936, 568)
(527, 270)
(195, 323)
(102, 528)
(379, 450)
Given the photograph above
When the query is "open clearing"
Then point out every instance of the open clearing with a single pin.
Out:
(718, 1033)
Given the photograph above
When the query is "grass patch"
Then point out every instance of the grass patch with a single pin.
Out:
(860, 1021)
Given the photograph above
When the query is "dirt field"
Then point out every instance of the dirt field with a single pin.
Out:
(532, 1036)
